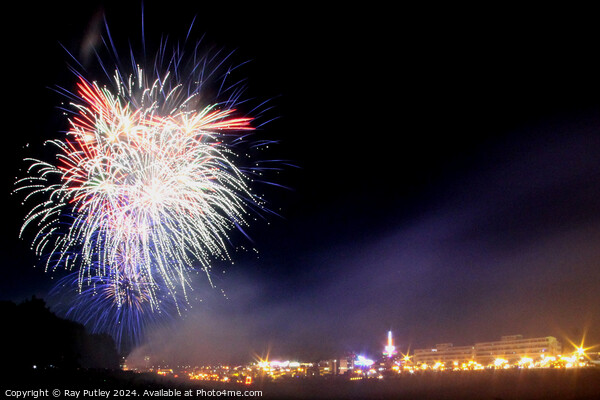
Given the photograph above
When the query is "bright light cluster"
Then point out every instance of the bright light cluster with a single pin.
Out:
(246, 374)
(575, 360)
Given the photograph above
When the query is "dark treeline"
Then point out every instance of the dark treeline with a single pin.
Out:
(40, 350)
(35, 338)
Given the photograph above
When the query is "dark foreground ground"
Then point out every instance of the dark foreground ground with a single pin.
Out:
(552, 384)
(514, 384)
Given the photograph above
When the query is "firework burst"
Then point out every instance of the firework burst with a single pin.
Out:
(144, 189)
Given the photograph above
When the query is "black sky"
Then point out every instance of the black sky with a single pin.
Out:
(447, 182)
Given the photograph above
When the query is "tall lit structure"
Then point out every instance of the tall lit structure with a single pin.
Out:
(390, 349)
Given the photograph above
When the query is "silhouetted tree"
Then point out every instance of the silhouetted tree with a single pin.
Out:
(35, 338)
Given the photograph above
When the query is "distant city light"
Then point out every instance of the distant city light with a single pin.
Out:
(362, 361)
(510, 354)
(390, 349)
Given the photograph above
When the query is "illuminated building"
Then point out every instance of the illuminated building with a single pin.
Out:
(327, 367)
(444, 352)
(510, 348)
(340, 366)
(345, 365)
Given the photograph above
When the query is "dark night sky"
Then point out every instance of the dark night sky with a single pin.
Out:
(447, 183)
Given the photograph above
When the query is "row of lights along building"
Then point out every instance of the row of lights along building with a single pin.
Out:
(510, 348)
(509, 351)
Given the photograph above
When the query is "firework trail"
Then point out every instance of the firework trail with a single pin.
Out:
(145, 187)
